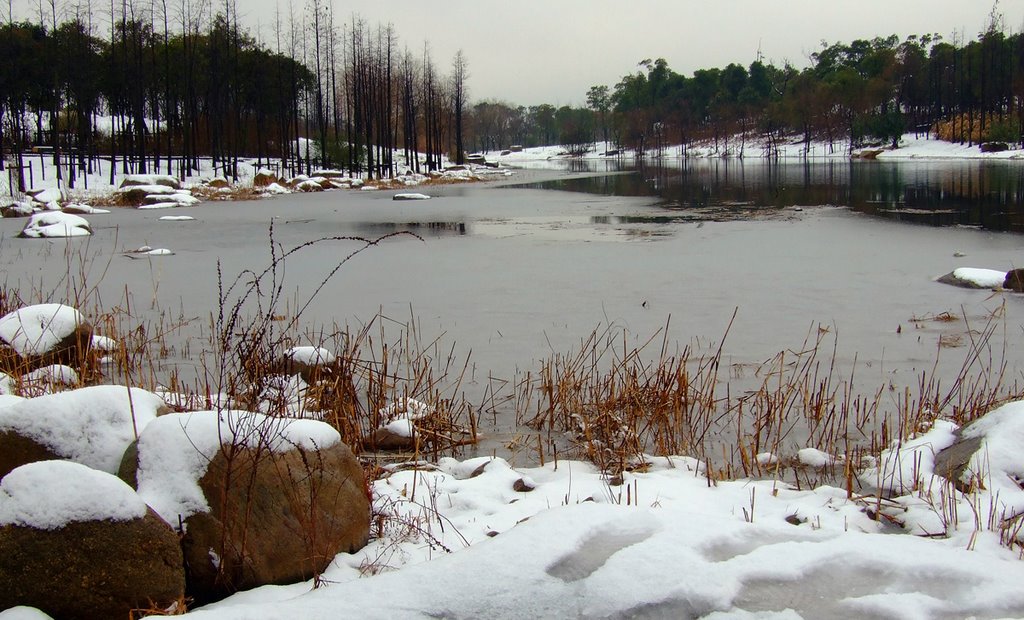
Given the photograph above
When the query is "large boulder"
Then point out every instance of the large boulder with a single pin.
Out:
(92, 426)
(134, 195)
(262, 500)
(265, 178)
(78, 543)
(41, 335)
(987, 453)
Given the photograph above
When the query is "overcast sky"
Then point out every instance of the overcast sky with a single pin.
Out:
(551, 51)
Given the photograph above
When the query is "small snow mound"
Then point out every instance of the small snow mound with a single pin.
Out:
(160, 205)
(312, 356)
(812, 457)
(104, 344)
(43, 380)
(406, 408)
(56, 224)
(177, 218)
(51, 494)
(410, 196)
(276, 188)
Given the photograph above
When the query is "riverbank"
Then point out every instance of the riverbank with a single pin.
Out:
(911, 146)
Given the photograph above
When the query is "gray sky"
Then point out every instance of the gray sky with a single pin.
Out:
(551, 51)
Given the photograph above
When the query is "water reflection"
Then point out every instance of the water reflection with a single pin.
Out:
(423, 229)
(989, 195)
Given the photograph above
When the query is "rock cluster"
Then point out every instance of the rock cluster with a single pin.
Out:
(268, 500)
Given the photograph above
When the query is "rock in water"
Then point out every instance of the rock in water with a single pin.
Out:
(1014, 280)
(43, 334)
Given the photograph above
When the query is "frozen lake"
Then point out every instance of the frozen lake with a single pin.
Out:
(508, 275)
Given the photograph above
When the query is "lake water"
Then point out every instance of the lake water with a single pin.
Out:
(508, 274)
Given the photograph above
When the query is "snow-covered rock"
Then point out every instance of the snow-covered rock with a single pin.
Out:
(83, 209)
(177, 218)
(410, 196)
(287, 501)
(51, 494)
(80, 543)
(55, 224)
(17, 209)
(971, 277)
(49, 195)
(144, 180)
(92, 426)
(276, 188)
(43, 329)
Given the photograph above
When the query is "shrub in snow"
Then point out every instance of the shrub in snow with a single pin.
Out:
(55, 224)
(79, 543)
(92, 426)
(263, 500)
(43, 334)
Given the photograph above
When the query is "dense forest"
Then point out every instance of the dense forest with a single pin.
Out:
(864, 92)
(155, 85)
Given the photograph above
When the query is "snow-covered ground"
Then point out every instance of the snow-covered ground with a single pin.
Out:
(912, 146)
(481, 538)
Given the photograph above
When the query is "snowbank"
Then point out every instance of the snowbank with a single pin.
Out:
(666, 543)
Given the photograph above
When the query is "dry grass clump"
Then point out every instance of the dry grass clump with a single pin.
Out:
(233, 192)
(613, 403)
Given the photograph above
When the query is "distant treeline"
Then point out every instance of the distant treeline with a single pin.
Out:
(864, 92)
(162, 87)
